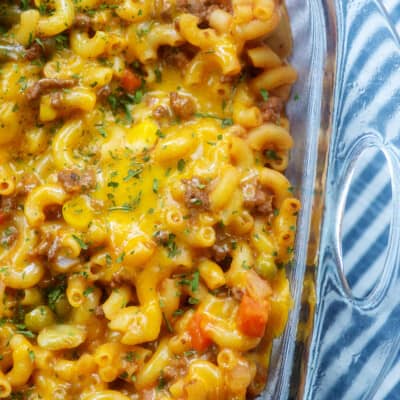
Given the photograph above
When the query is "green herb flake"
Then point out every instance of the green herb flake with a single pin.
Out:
(158, 74)
(133, 173)
(120, 258)
(178, 312)
(160, 134)
(264, 94)
(161, 381)
(181, 165)
(31, 355)
(272, 155)
(130, 356)
(81, 243)
(102, 131)
(87, 291)
(195, 281)
(193, 300)
(167, 323)
(155, 185)
(171, 246)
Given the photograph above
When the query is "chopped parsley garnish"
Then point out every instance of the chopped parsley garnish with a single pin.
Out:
(181, 165)
(130, 356)
(167, 323)
(272, 155)
(87, 291)
(178, 312)
(193, 300)
(161, 381)
(155, 185)
(171, 246)
(81, 243)
(55, 293)
(225, 122)
(160, 134)
(120, 258)
(133, 173)
(158, 74)
(264, 94)
(195, 281)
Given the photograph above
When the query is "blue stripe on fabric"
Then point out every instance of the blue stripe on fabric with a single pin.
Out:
(374, 86)
(365, 262)
(394, 394)
(390, 107)
(341, 385)
(371, 213)
(359, 181)
(395, 13)
(353, 32)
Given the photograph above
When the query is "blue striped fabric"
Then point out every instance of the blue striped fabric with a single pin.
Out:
(355, 351)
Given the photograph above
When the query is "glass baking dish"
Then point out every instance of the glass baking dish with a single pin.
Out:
(345, 121)
(313, 23)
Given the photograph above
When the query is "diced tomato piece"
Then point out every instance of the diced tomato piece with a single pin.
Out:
(200, 340)
(252, 316)
(3, 217)
(130, 81)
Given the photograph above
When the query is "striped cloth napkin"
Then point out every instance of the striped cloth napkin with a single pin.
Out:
(355, 350)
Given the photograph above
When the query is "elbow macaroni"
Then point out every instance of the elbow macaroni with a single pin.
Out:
(143, 201)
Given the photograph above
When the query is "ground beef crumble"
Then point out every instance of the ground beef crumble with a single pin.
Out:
(196, 194)
(75, 180)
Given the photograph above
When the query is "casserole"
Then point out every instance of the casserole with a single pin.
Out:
(146, 221)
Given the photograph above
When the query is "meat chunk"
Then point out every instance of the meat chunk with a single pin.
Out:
(45, 85)
(117, 279)
(7, 205)
(160, 112)
(196, 194)
(39, 48)
(257, 198)
(82, 21)
(53, 212)
(271, 109)
(223, 246)
(165, 8)
(220, 251)
(183, 106)
(56, 100)
(176, 368)
(177, 58)
(202, 8)
(33, 52)
(161, 237)
(27, 183)
(75, 180)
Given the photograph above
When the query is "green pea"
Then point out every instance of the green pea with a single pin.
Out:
(265, 266)
(39, 318)
(62, 306)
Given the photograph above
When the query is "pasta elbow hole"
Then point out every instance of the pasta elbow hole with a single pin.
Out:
(7, 187)
(5, 389)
